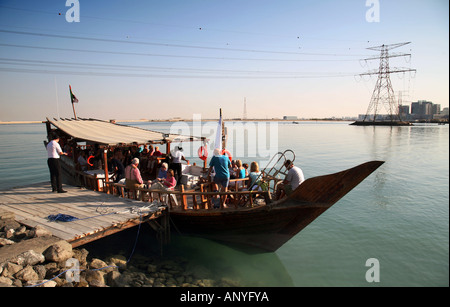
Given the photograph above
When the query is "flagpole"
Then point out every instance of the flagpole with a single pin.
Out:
(72, 98)
(223, 131)
(74, 114)
(56, 96)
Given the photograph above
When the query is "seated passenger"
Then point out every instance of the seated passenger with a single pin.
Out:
(255, 176)
(241, 170)
(293, 179)
(82, 160)
(162, 171)
(167, 183)
(133, 175)
(245, 166)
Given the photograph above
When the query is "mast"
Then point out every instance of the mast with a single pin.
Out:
(224, 137)
(74, 114)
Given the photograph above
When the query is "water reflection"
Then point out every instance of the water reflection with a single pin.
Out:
(221, 261)
(201, 258)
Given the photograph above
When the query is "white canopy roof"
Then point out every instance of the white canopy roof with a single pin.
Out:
(107, 133)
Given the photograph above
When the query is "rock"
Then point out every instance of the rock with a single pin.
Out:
(227, 282)
(9, 269)
(82, 283)
(17, 283)
(51, 265)
(208, 282)
(151, 268)
(5, 281)
(111, 278)
(101, 265)
(48, 284)
(60, 251)
(42, 284)
(180, 280)
(81, 255)
(97, 284)
(39, 231)
(149, 281)
(6, 224)
(124, 280)
(52, 272)
(21, 233)
(27, 274)
(95, 278)
(6, 215)
(4, 241)
(29, 257)
(119, 261)
(10, 233)
(40, 270)
(97, 264)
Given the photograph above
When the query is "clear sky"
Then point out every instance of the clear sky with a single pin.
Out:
(146, 59)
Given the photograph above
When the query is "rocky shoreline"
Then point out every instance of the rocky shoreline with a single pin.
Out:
(61, 266)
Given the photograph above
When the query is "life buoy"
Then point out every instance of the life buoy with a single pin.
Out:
(203, 153)
(228, 153)
(90, 157)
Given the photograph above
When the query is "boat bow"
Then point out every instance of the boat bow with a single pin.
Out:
(328, 189)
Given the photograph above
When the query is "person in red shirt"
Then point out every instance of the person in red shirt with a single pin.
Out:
(133, 175)
(153, 159)
(157, 152)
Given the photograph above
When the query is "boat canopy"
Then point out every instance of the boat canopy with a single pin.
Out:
(111, 134)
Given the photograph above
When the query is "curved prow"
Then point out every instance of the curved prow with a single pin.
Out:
(329, 189)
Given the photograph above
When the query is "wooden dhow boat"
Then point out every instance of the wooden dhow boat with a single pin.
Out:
(271, 224)
(251, 219)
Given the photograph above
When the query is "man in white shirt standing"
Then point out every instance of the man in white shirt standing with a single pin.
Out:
(54, 152)
(177, 157)
(293, 179)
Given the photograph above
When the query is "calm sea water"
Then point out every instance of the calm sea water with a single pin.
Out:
(399, 215)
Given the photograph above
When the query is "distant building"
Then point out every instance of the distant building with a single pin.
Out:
(422, 109)
(435, 109)
(403, 111)
(289, 117)
(442, 114)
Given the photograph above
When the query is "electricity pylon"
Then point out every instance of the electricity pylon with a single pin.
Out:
(383, 94)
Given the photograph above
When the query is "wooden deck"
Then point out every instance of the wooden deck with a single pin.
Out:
(95, 210)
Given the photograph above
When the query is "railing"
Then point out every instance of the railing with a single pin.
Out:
(201, 199)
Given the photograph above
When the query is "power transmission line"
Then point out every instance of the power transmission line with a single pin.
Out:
(171, 56)
(383, 94)
(166, 44)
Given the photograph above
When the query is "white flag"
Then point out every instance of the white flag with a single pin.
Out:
(218, 142)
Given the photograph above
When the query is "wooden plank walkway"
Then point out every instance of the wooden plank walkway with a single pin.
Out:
(95, 210)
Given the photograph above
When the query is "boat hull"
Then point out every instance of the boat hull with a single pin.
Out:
(265, 229)
(268, 227)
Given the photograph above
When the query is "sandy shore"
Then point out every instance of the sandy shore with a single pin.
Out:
(188, 120)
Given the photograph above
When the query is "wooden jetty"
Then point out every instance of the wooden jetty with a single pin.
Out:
(98, 214)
